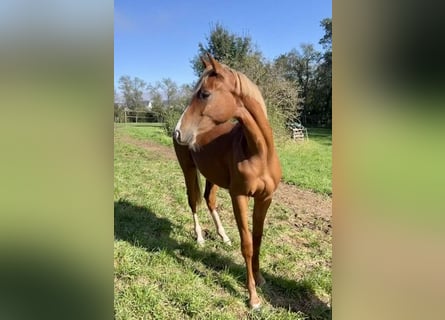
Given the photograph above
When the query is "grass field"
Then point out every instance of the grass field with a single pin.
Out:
(160, 272)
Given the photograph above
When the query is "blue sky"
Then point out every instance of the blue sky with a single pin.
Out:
(157, 39)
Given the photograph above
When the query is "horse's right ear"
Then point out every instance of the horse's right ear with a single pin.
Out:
(215, 64)
(205, 62)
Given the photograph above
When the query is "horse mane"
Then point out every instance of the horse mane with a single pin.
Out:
(249, 89)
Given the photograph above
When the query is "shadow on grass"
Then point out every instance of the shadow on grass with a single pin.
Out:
(142, 227)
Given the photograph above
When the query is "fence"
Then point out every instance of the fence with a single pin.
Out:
(135, 116)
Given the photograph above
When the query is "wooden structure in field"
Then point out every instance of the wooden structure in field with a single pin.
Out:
(299, 134)
(298, 131)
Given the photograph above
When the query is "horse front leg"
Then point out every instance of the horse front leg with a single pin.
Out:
(192, 183)
(240, 210)
(260, 208)
(210, 197)
(194, 196)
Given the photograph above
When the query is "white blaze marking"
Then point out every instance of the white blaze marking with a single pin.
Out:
(178, 125)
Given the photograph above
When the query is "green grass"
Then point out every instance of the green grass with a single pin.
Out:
(144, 131)
(160, 272)
(308, 164)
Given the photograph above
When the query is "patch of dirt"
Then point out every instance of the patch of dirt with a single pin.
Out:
(307, 208)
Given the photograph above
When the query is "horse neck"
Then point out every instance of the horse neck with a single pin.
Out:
(257, 128)
(214, 133)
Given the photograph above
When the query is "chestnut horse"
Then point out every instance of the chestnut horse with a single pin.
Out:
(225, 134)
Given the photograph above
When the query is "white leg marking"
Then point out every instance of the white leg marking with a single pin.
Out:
(219, 227)
(256, 306)
(198, 231)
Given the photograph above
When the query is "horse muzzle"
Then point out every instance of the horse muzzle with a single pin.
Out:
(183, 139)
(176, 135)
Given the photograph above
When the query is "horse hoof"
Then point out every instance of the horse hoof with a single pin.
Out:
(200, 242)
(256, 306)
(228, 242)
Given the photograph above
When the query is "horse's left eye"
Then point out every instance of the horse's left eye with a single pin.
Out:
(204, 94)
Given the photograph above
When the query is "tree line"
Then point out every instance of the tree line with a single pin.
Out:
(296, 86)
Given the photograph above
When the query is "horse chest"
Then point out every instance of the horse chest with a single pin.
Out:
(213, 168)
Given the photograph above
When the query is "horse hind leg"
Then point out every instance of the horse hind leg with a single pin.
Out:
(240, 210)
(210, 197)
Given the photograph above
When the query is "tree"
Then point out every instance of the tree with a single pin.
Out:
(132, 92)
(168, 101)
(312, 71)
(117, 109)
(325, 69)
(282, 98)
(170, 90)
(163, 94)
(326, 40)
(225, 47)
(300, 67)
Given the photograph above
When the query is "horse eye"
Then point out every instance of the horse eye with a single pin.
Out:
(204, 94)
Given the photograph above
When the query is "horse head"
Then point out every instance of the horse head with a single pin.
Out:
(214, 101)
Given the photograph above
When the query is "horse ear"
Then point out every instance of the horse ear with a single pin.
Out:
(215, 64)
(205, 62)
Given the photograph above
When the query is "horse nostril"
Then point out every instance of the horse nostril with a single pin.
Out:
(176, 135)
